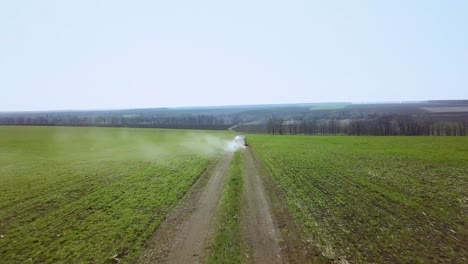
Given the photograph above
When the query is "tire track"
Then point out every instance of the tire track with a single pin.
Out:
(182, 237)
(262, 235)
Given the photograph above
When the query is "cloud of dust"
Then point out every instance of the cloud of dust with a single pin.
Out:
(125, 144)
(234, 145)
(209, 144)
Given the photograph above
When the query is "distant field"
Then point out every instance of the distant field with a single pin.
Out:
(375, 199)
(446, 109)
(87, 195)
(330, 106)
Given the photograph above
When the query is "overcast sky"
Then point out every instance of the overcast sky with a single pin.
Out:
(133, 54)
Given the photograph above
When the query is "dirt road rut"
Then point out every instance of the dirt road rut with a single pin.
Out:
(261, 233)
(187, 231)
(182, 237)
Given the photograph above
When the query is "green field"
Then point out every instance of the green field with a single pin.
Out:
(95, 195)
(86, 195)
(375, 199)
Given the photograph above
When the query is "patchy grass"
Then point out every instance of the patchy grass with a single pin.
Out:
(227, 245)
(92, 195)
(375, 199)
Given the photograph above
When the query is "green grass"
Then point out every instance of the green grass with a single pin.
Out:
(375, 199)
(227, 245)
(83, 195)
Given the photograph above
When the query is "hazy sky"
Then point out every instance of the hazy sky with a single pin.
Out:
(133, 54)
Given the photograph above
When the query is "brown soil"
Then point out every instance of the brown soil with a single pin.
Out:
(261, 233)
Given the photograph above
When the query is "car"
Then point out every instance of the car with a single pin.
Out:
(241, 140)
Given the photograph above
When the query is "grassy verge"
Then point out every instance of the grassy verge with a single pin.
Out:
(227, 245)
(375, 199)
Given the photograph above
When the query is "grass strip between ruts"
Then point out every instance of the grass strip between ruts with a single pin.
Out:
(227, 244)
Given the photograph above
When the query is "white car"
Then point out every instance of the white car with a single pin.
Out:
(241, 140)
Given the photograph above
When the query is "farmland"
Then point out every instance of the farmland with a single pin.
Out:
(108, 195)
(374, 199)
(86, 195)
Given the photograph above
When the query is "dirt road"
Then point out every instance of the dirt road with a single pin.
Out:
(262, 235)
(182, 237)
(185, 235)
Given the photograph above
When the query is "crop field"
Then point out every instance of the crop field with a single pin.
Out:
(374, 199)
(92, 195)
(97, 195)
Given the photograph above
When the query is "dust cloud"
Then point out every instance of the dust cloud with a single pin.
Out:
(234, 145)
(133, 144)
(209, 144)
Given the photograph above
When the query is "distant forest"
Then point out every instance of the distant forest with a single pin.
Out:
(438, 118)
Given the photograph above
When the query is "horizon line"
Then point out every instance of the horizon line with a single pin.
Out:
(226, 106)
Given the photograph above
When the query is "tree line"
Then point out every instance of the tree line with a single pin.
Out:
(375, 119)
(156, 121)
(383, 126)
